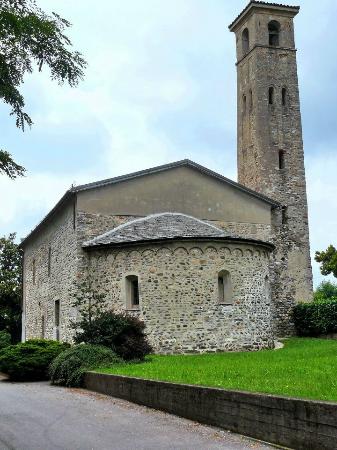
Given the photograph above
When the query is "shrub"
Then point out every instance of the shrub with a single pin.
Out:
(326, 291)
(317, 318)
(5, 339)
(29, 361)
(122, 333)
(68, 368)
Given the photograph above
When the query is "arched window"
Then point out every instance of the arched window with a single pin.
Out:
(271, 96)
(267, 289)
(281, 162)
(245, 41)
(244, 104)
(132, 292)
(251, 100)
(284, 97)
(274, 33)
(225, 292)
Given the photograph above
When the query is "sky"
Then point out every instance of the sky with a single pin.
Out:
(161, 86)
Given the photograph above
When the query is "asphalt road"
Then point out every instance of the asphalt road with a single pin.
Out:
(37, 416)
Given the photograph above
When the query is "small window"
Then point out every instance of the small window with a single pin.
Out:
(267, 289)
(57, 319)
(274, 33)
(132, 292)
(225, 293)
(251, 100)
(271, 96)
(284, 215)
(281, 162)
(43, 327)
(284, 97)
(245, 41)
(244, 104)
(34, 271)
(49, 261)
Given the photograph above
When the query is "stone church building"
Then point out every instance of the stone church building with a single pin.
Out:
(209, 264)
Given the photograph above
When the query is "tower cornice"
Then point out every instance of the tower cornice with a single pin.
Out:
(265, 7)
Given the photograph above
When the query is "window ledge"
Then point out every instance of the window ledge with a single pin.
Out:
(132, 309)
(225, 304)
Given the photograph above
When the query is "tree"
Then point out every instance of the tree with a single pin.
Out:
(29, 36)
(328, 261)
(326, 291)
(10, 286)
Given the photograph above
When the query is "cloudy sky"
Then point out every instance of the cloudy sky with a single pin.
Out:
(161, 86)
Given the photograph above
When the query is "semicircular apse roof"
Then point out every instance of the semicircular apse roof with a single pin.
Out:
(157, 227)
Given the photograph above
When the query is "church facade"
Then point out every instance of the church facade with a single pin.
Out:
(209, 264)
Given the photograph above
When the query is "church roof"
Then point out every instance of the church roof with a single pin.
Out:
(73, 191)
(260, 4)
(159, 227)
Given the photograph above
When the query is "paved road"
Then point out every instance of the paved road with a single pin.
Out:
(36, 416)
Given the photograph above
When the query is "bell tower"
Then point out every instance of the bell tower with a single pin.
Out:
(270, 147)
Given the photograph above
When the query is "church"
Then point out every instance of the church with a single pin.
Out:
(207, 263)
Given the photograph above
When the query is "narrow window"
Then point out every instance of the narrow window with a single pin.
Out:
(244, 104)
(271, 96)
(251, 100)
(42, 326)
(284, 96)
(49, 261)
(267, 288)
(274, 33)
(281, 163)
(132, 292)
(284, 215)
(57, 319)
(225, 293)
(34, 272)
(245, 41)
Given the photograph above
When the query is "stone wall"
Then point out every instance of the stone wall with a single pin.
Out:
(54, 280)
(179, 299)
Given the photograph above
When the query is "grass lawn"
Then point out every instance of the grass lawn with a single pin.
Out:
(303, 368)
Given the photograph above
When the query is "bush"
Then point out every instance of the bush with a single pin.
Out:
(123, 334)
(69, 367)
(29, 361)
(317, 318)
(5, 339)
(326, 291)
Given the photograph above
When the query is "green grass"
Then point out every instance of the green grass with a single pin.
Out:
(304, 368)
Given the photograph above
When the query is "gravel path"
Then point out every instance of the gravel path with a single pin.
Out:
(37, 416)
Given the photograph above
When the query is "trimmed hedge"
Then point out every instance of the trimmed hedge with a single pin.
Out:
(30, 360)
(317, 318)
(69, 367)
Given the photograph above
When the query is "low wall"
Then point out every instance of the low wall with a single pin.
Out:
(294, 423)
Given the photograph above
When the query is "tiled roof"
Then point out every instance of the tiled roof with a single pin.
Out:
(258, 3)
(158, 227)
(164, 226)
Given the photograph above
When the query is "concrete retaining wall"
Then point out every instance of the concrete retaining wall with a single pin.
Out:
(298, 424)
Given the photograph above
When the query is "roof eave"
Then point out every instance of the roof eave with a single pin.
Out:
(144, 242)
(66, 197)
(255, 5)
